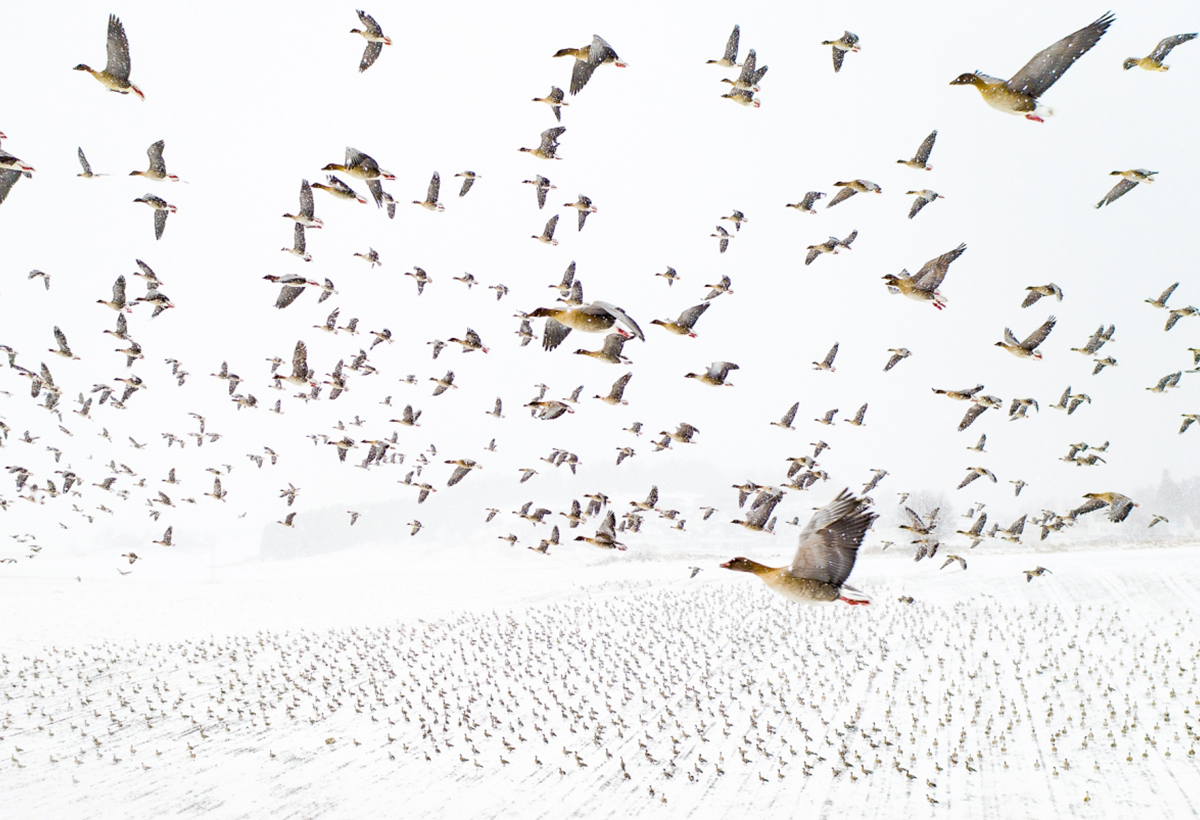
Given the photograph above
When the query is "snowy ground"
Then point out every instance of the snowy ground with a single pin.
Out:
(594, 685)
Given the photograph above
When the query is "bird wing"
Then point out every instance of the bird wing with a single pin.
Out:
(87, 169)
(369, 23)
(613, 343)
(1123, 187)
(1091, 505)
(618, 387)
(790, 415)
(931, 274)
(688, 317)
(1038, 336)
(300, 361)
(118, 50)
(155, 153)
(838, 56)
(554, 334)
(747, 75)
(1031, 298)
(829, 541)
(621, 317)
(812, 254)
(926, 147)
(550, 139)
(1050, 63)
(972, 413)
(287, 295)
(160, 223)
(7, 180)
(306, 199)
(843, 194)
(459, 473)
(731, 47)
(1166, 44)
(435, 187)
(832, 354)
(719, 370)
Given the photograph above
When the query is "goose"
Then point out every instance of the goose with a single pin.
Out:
(1019, 95)
(715, 375)
(588, 59)
(547, 237)
(729, 59)
(722, 235)
(1161, 301)
(463, 466)
(923, 287)
(471, 342)
(338, 189)
(806, 205)
(1028, 348)
(749, 77)
(920, 160)
(615, 394)
(847, 42)
(1036, 292)
(827, 363)
(1154, 61)
(595, 317)
(115, 76)
(824, 559)
(118, 297)
(468, 178)
(298, 243)
(541, 185)
(686, 321)
(555, 100)
(430, 202)
(305, 215)
(606, 536)
(923, 198)
(1129, 180)
(87, 168)
(722, 287)
(854, 186)
(363, 166)
(375, 38)
(158, 167)
(584, 206)
(610, 352)
(161, 209)
(899, 354)
(547, 149)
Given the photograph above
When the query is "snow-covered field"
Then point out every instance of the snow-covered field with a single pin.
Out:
(598, 686)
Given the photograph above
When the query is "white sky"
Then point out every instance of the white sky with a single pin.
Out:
(249, 102)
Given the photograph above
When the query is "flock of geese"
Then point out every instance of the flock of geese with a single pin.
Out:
(829, 541)
(644, 696)
(646, 691)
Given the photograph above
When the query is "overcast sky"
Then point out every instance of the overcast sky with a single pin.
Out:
(251, 102)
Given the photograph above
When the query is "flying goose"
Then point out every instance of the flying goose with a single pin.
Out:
(825, 556)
